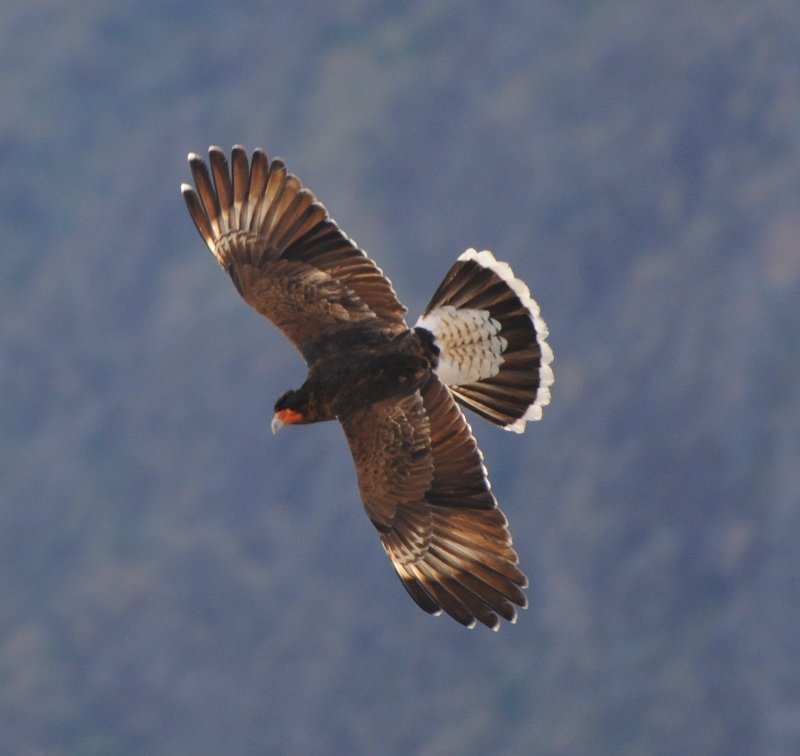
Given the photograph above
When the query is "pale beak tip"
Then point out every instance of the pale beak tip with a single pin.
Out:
(276, 425)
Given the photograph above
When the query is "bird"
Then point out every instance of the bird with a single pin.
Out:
(480, 343)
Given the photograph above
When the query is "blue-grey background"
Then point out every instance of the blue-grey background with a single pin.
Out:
(173, 579)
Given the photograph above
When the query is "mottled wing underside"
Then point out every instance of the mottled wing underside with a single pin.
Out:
(424, 486)
(287, 257)
(391, 446)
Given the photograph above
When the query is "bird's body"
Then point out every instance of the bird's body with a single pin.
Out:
(480, 341)
(363, 365)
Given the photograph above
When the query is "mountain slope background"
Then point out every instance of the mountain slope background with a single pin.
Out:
(173, 579)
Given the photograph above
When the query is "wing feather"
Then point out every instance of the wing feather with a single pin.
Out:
(241, 180)
(437, 518)
(287, 257)
(223, 186)
(259, 170)
(390, 443)
(207, 197)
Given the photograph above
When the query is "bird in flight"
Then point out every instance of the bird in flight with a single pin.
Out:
(481, 343)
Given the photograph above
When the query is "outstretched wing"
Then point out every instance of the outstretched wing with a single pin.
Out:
(423, 484)
(287, 257)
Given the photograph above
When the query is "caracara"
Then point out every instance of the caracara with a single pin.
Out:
(480, 342)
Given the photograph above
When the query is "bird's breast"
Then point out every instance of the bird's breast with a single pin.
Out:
(356, 379)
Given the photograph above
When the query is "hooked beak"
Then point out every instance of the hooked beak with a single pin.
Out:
(285, 417)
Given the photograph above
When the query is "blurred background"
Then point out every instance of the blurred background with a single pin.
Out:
(173, 579)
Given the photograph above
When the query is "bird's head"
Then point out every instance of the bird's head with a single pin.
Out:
(291, 409)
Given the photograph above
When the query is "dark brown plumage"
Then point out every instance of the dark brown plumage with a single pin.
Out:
(480, 340)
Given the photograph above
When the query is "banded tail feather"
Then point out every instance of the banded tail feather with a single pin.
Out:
(492, 341)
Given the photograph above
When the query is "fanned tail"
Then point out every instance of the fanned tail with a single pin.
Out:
(492, 341)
